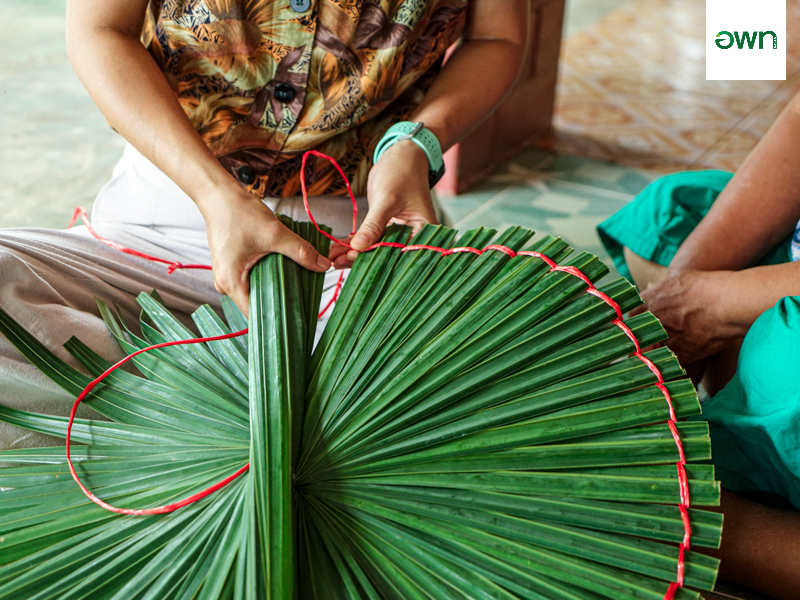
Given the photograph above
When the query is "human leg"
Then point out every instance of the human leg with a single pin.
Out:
(760, 547)
(50, 280)
(753, 421)
(644, 272)
(755, 438)
(712, 373)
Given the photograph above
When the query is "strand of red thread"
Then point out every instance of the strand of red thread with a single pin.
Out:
(572, 270)
(158, 510)
(172, 265)
(683, 482)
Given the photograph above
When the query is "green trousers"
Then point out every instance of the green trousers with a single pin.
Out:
(755, 420)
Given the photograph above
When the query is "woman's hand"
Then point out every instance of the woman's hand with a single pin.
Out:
(241, 230)
(397, 191)
(692, 308)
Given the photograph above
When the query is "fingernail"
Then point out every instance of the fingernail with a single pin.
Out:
(323, 263)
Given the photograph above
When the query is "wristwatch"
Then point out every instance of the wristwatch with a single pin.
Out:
(422, 137)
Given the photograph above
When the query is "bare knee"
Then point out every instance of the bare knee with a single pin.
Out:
(644, 272)
(760, 547)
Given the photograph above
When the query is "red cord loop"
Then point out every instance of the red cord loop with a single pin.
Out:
(158, 510)
(607, 299)
(421, 247)
(500, 248)
(460, 250)
(683, 481)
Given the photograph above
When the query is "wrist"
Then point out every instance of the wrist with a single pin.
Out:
(408, 154)
(221, 194)
(724, 301)
(423, 138)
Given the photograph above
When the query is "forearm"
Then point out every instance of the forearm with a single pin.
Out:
(133, 94)
(479, 72)
(468, 89)
(757, 209)
(747, 294)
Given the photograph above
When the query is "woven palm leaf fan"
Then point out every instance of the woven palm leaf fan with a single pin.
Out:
(472, 425)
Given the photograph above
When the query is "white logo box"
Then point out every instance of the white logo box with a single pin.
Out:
(757, 23)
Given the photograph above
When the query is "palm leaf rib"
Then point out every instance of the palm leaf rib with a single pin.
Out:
(471, 425)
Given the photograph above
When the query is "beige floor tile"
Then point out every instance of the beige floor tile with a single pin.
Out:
(633, 89)
(634, 84)
(680, 109)
(702, 137)
(576, 87)
(593, 113)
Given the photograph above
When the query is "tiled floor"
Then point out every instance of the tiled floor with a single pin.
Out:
(632, 90)
(559, 194)
(627, 94)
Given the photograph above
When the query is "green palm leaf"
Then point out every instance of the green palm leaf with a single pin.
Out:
(470, 426)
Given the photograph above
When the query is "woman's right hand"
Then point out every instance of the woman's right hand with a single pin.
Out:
(241, 230)
(691, 307)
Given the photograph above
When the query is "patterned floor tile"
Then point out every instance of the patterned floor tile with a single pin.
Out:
(732, 148)
(557, 194)
(632, 90)
(581, 13)
(458, 207)
(558, 204)
(591, 114)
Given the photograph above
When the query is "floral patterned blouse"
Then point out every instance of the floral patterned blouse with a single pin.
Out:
(265, 80)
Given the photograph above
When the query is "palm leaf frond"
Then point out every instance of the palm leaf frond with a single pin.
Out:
(469, 426)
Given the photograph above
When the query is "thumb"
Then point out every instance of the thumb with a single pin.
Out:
(371, 229)
(299, 250)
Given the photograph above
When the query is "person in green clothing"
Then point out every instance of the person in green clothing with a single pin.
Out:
(717, 258)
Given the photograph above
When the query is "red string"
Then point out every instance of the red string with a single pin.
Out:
(158, 510)
(683, 482)
(172, 265)
(335, 296)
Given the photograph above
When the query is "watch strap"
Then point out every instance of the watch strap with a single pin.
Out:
(422, 137)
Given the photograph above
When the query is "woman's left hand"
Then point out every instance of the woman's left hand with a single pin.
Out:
(397, 191)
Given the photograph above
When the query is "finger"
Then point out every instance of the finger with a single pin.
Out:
(371, 229)
(343, 262)
(282, 240)
(419, 222)
(241, 297)
(338, 250)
